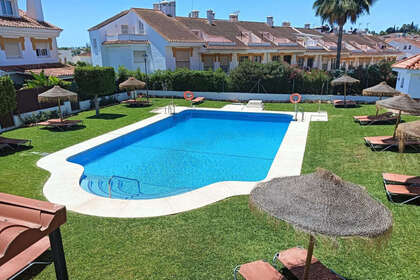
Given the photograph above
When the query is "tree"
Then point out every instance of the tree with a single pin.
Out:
(339, 12)
(41, 80)
(95, 81)
(7, 96)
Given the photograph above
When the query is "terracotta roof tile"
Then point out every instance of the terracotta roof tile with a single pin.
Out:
(50, 69)
(25, 22)
(412, 63)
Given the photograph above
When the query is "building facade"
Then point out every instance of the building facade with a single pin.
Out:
(408, 46)
(27, 41)
(156, 39)
(408, 80)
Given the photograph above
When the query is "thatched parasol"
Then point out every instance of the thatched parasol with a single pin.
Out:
(382, 89)
(132, 84)
(323, 204)
(344, 80)
(57, 94)
(408, 131)
(403, 103)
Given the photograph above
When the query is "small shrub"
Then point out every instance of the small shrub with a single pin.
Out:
(7, 96)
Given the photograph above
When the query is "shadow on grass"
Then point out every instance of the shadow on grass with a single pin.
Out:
(107, 117)
(6, 151)
(36, 269)
(64, 129)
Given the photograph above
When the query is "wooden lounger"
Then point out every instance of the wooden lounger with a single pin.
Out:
(411, 192)
(294, 260)
(388, 117)
(9, 142)
(383, 143)
(398, 179)
(258, 270)
(341, 104)
(197, 100)
(57, 123)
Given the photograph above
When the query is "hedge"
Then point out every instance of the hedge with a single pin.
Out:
(94, 81)
(7, 96)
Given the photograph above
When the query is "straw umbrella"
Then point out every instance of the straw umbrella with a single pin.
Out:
(323, 204)
(403, 104)
(382, 90)
(344, 80)
(408, 131)
(132, 84)
(57, 94)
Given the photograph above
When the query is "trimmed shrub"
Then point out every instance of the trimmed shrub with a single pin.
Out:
(95, 81)
(7, 96)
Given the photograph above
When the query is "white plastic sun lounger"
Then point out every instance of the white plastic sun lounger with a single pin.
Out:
(255, 104)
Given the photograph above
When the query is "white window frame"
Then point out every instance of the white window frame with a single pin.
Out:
(402, 82)
(123, 27)
(138, 59)
(19, 49)
(42, 52)
(141, 28)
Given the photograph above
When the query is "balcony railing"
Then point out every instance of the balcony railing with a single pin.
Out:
(125, 37)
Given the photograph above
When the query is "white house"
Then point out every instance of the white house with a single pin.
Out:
(407, 46)
(409, 76)
(28, 42)
(158, 39)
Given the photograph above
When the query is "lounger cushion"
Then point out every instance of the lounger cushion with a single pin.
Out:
(402, 179)
(11, 141)
(198, 99)
(260, 270)
(294, 260)
(403, 190)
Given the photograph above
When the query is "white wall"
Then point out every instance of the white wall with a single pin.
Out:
(28, 55)
(406, 52)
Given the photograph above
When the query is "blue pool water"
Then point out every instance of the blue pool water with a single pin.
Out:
(184, 152)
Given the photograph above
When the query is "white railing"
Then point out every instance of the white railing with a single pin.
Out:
(125, 37)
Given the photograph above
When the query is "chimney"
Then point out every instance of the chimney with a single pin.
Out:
(233, 18)
(286, 24)
(195, 14)
(156, 6)
(270, 21)
(164, 7)
(210, 16)
(34, 10)
(172, 8)
(308, 26)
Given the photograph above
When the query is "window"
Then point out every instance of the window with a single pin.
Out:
(257, 58)
(208, 62)
(409, 47)
(225, 63)
(124, 29)
(310, 62)
(12, 49)
(405, 47)
(301, 61)
(42, 49)
(276, 58)
(242, 59)
(333, 63)
(182, 58)
(288, 59)
(402, 83)
(141, 27)
(95, 46)
(325, 66)
(139, 56)
(6, 7)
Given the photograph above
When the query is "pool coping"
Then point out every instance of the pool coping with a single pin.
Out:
(63, 187)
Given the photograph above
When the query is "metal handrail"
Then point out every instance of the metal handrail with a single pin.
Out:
(121, 177)
(303, 113)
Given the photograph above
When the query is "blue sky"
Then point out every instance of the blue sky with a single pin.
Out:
(76, 16)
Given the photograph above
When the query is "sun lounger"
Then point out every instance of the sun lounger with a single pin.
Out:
(255, 104)
(258, 270)
(383, 143)
(294, 260)
(10, 142)
(57, 123)
(398, 179)
(410, 192)
(388, 117)
(197, 100)
(341, 104)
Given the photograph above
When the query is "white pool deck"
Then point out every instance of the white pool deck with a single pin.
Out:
(63, 185)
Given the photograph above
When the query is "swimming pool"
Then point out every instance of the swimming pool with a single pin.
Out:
(184, 152)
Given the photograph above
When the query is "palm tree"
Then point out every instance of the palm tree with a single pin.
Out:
(339, 12)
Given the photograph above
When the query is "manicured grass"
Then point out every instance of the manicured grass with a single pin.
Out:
(207, 243)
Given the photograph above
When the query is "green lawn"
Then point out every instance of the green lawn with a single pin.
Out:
(209, 242)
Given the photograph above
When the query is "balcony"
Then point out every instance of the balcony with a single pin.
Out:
(126, 37)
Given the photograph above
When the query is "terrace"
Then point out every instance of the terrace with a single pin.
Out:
(208, 242)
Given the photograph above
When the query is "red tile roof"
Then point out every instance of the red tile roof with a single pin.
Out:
(412, 63)
(24, 21)
(50, 69)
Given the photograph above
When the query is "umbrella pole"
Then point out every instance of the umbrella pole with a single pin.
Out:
(59, 110)
(397, 124)
(309, 257)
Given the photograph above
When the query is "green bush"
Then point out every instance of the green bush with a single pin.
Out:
(95, 81)
(40, 117)
(7, 96)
